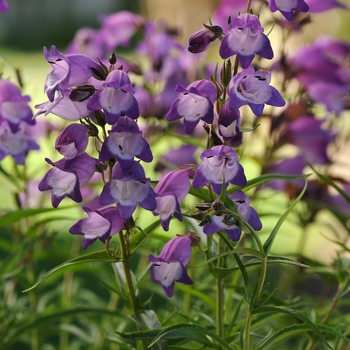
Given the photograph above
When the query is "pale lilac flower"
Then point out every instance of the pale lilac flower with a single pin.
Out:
(129, 189)
(66, 177)
(118, 28)
(116, 98)
(169, 267)
(286, 7)
(252, 88)
(229, 223)
(100, 224)
(125, 142)
(193, 104)
(219, 163)
(170, 191)
(14, 106)
(15, 144)
(246, 39)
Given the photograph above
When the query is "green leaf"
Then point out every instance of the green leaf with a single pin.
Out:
(191, 329)
(268, 243)
(264, 178)
(140, 237)
(12, 217)
(201, 194)
(331, 183)
(294, 330)
(295, 314)
(99, 256)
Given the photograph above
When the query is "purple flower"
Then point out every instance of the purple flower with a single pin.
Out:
(67, 70)
(64, 107)
(217, 163)
(118, 28)
(13, 106)
(311, 137)
(316, 6)
(193, 104)
(229, 123)
(124, 142)
(286, 7)
(116, 98)
(170, 265)
(72, 141)
(199, 41)
(101, 223)
(129, 189)
(252, 88)
(16, 144)
(228, 223)
(66, 177)
(170, 191)
(4, 7)
(245, 38)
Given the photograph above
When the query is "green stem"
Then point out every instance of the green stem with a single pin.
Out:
(220, 296)
(249, 4)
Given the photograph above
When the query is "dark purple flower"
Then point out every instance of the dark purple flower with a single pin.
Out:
(229, 123)
(193, 104)
(72, 141)
(170, 265)
(64, 107)
(4, 7)
(170, 191)
(199, 41)
(129, 189)
(246, 39)
(101, 224)
(13, 106)
(228, 223)
(16, 144)
(118, 28)
(66, 177)
(316, 6)
(124, 142)
(252, 88)
(67, 70)
(116, 98)
(286, 7)
(311, 137)
(217, 163)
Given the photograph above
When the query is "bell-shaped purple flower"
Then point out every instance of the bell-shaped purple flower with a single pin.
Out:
(218, 164)
(16, 144)
(129, 189)
(4, 7)
(229, 123)
(72, 141)
(67, 70)
(116, 98)
(246, 39)
(100, 224)
(199, 41)
(170, 264)
(170, 191)
(229, 223)
(252, 88)
(66, 177)
(64, 107)
(286, 7)
(13, 106)
(193, 104)
(124, 142)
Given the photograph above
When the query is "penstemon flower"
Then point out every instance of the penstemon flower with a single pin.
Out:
(246, 39)
(250, 87)
(286, 7)
(4, 7)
